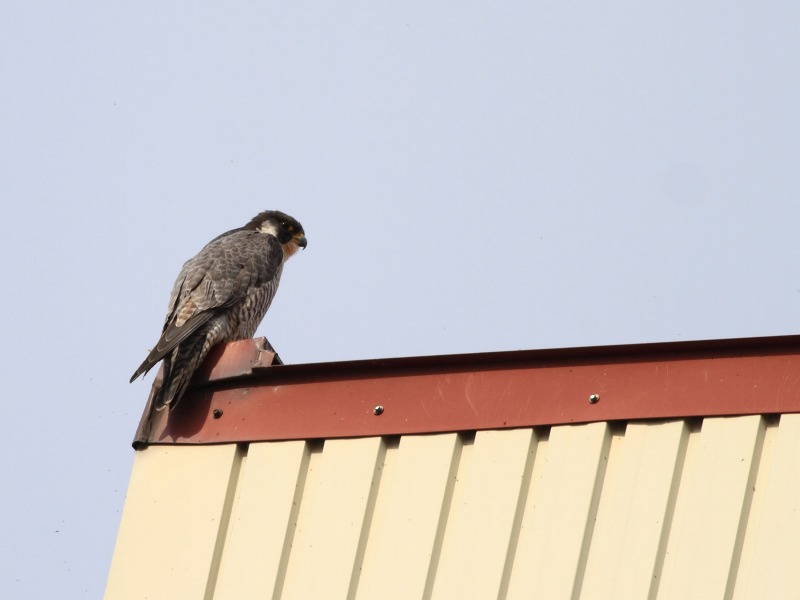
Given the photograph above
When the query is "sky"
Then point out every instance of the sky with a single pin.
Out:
(472, 176)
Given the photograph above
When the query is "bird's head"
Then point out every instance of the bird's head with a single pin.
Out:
(288, 230)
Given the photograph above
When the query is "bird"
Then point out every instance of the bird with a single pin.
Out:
(221, 295)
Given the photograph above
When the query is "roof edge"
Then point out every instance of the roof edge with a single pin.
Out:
(245, 359)
(460, 391)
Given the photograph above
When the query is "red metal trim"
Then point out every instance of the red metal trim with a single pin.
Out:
(480, 391)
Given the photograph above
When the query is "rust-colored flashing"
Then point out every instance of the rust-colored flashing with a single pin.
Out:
(239, 397)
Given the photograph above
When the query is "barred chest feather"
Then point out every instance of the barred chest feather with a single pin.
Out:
(248, 315)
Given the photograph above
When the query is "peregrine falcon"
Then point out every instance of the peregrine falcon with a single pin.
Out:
(221, 295)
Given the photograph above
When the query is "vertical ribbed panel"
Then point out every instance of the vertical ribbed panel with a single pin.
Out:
(326, 561)
(638, 496)
(670, 509)
(173, 523)
(559, 518)
(482, 519)
(262, 522)
(773, 570)
(711, 511)
(410, 517)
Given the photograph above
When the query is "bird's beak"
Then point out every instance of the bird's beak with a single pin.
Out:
(301, 240)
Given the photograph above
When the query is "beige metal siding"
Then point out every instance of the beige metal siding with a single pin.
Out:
(640, 487)
(559, 517)
(411, 517)
(262, 524)
(711, 511)
(484, 517)
(174, 520)
(669, 509)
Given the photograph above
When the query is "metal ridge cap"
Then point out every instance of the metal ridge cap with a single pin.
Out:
(258, 366)
(237, 398)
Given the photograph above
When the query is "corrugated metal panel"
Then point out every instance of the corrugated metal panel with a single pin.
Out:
(701, 508)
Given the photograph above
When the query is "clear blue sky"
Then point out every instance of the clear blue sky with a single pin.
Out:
(471, 176)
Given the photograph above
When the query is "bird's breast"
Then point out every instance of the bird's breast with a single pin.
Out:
(249, 314)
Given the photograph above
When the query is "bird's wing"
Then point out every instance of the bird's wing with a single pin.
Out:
(216, 278)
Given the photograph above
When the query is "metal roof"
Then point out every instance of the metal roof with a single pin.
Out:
(238, 397)
(622, 498)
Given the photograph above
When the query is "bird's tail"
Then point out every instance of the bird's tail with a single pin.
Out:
(179, 368)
